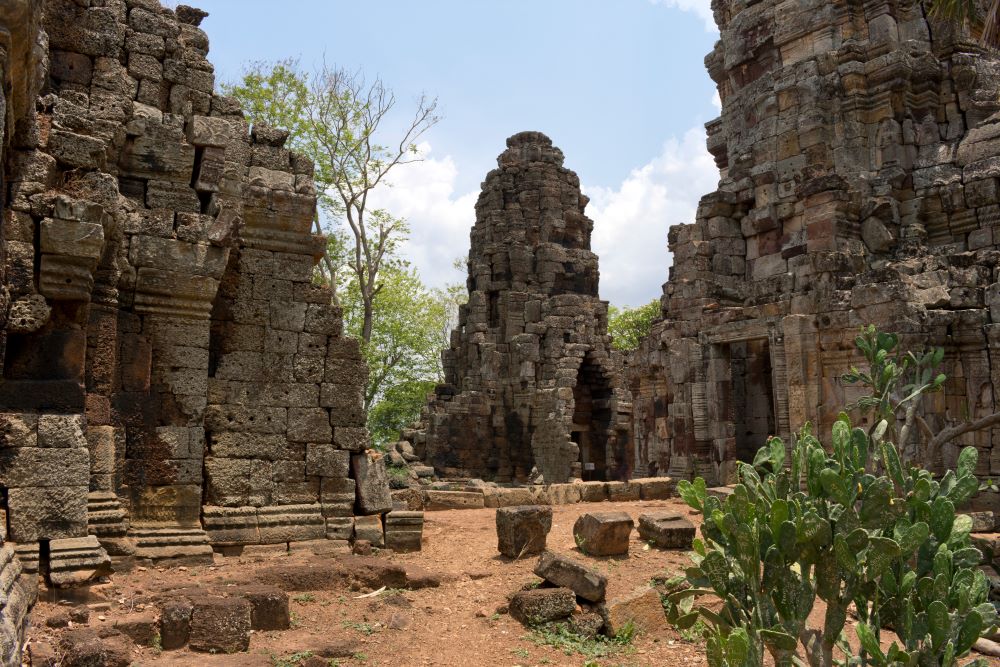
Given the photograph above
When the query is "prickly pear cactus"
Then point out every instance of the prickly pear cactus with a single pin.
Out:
(852, 526)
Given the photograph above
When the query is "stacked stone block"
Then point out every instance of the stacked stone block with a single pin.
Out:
(172, 378)
(530, 382)
(857, 149)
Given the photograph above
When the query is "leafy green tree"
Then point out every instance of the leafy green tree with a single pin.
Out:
(337, 118)
(404, 352)
(628, 326)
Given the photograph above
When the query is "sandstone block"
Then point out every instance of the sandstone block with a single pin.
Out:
(619, 492)
(656, 488)
(666, 530)
(269, 607)
(642, 608)
(309, 425)
(220, 625)
(452, 500)
(603, 533)
(369, 472)
(404, 530)
(522, 530)
(175, 623)
(140, 627)
(558, 570)
(325, 461)
(593, 492)
(369, 529)
(542, 605)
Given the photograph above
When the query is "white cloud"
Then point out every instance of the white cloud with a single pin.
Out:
(439, 218)
(703, 8)
(717, 101)
(631, 222)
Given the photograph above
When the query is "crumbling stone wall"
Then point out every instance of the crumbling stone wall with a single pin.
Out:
(530, 381)
(172, 380)
(857, 150)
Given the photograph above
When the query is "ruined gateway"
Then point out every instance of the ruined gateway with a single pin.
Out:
(173, 380)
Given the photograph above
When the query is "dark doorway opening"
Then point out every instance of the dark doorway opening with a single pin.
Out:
(752, 396)
(592, 421)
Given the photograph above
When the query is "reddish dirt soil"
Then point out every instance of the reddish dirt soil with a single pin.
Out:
(455, 624)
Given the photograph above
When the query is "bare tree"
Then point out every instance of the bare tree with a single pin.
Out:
(347, 115)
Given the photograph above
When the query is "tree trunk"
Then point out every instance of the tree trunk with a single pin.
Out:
(366, 327)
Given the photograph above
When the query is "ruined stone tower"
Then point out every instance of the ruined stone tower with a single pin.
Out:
(859, 155)
(529, 379)
(173, 381)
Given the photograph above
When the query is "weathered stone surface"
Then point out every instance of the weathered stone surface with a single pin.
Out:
(603, 533)
(141, 627)
(558, 570)
(368, 471)
(220, 625)
(269, 607)
(542, 605)
(369, 529)
(452, 500)
(666, 530)
(550, 403)
(522, 530)
(404, 530)
(175, 623)
(642, 608)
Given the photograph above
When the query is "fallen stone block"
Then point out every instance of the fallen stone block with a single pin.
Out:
(369, 528)
(269, 607)
(603, 533)
(142, 628)
(220, 625)
(666, 530)
(588, 624)
(559, 570)
(564, 494)
(720, 492)
(642, 608)
(522, 531)
(982, 522)
(494, 497)
(620, 492)
(542, 605)
(453, 500)
(373, 493)
(175, 623)
(656, 488)
(592, 492)
(403, 531)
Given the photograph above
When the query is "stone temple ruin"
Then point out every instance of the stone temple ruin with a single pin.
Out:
(530, 380)
(175, 385)
(173, 380)
(858, 151)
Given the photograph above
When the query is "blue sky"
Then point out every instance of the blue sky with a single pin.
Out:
(619, 85)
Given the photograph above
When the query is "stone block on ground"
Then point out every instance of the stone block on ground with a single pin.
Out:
(603, 533)
(453, 500)
(621, 492)
(522, 530)
(656, 488)
(558, 570)
(592, 492)
(369, 529)
(142, 627)
(269, 607)
(175, 623)
(642, 608)
(500, 497)
(666, 530)
(369, 473)
(720, 492)
(983, 521)
(542, 605)
(220, 625)
(404, 530)
(564, 494)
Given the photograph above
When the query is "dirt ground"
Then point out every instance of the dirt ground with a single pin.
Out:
(454, 624)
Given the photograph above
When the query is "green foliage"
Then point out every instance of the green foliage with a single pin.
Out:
(399, 476)
(850, 526)
(293, 660)
(561, 636)
(628, 326)
(404, 350)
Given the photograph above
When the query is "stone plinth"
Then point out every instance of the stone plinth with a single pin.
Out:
(603, 533)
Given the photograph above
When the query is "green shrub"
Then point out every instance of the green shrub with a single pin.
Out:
(853, 525)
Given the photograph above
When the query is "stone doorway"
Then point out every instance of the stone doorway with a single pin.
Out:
(592, 398)
(753, 411)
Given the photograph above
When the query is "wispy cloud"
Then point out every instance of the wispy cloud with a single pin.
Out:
(631, 221)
